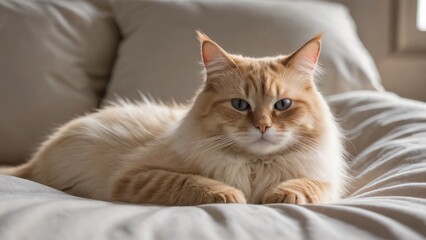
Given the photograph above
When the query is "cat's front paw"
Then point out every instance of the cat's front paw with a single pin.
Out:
(296, 191)
(226, 195)
(283, 195)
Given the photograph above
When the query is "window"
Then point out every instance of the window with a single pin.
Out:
(411, 27)
(421, 15)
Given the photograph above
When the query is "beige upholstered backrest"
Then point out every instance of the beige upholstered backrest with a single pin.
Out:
(55, 61)
(159, 54)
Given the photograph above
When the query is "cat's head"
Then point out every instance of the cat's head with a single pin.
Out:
(260, 106)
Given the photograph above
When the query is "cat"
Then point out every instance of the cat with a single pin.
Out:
(258, 131)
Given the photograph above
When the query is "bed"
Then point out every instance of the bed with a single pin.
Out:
(386, 200)
(385, 134)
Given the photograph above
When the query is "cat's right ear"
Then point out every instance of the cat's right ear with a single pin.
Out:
(306, 58)
(215, 59)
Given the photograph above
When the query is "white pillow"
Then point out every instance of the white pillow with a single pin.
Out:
(55, 60)
(159, 54)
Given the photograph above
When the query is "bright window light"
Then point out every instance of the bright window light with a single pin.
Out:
(421, 15)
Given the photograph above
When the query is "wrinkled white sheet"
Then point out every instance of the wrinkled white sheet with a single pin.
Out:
(387, 198)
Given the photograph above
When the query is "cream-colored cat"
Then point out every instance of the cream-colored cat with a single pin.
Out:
(258, 132)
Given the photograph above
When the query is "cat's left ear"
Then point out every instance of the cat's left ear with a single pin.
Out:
(214, 57)
(306, 58)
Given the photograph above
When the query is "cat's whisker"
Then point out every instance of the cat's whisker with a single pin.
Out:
(307, 145)
(211, 144)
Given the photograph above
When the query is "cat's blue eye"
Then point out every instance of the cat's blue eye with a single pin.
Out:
(282, 104)
(240, 104)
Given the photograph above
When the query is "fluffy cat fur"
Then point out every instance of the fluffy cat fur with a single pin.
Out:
(207, 152)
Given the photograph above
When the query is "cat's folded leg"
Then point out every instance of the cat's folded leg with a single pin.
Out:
(172, 188)
(298, 191)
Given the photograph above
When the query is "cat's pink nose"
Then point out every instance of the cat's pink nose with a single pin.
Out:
(262, 127)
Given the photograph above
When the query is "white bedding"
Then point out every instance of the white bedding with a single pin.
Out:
(387, 198)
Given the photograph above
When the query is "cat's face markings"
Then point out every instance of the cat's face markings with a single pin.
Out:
(262, 127)
(267, 125)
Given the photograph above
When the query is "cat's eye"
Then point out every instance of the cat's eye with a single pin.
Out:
(282, 104)
(240, 104)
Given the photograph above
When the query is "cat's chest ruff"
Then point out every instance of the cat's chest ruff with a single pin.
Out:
(267, 169)
(254, 176)
(258, 165)
(262, 161)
